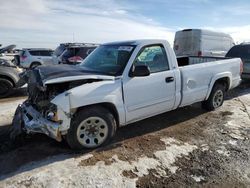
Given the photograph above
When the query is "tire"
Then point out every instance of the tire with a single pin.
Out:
(90, 128)
(216, 98)
(6, 87)
(34, 65)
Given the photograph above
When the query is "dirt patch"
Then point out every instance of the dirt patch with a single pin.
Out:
(226, 113)
(219, 161)
(130, 150)
(129, 174)
(199, 169)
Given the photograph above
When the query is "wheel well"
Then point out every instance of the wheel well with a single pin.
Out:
(109, 106)
(35, 62)
(8, 78)
(224, 81)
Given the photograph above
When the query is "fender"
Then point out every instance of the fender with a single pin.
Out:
(227, 75)
(12, 77)
(92, 94)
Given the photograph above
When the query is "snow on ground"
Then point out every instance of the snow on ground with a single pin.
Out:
(7, 110)
(239, 123)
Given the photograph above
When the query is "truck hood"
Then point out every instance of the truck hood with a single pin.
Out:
(44, 75)
(67, 73)
(67, 76)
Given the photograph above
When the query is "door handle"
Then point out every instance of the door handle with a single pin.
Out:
(169, 79)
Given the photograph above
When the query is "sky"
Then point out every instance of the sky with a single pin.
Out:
(46, 23)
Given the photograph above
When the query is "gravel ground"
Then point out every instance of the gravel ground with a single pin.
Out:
(188, 147)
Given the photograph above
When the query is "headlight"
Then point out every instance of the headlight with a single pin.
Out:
(51, 113)
(53, 116)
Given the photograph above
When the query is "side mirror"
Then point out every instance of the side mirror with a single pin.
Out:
(139, 71)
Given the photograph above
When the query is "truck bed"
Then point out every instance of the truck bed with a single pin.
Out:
(197, 78)
(190, 60)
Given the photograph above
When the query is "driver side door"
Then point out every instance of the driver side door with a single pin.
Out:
(150, 95)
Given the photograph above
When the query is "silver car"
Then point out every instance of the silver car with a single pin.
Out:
(33, 57)
(9, 77)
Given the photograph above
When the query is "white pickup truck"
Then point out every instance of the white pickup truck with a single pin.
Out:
(117, 84)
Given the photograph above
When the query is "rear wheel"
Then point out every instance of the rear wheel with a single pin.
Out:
(5, 87)
(216, 98)
(91, 128)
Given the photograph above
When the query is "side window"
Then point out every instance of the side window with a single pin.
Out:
(154, 57)
(34, 53)
(45, 53)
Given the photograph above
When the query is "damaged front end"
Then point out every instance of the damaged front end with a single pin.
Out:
(38, 114)
(28, 119)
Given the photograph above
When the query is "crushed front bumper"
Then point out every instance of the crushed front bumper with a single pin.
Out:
(28, 119)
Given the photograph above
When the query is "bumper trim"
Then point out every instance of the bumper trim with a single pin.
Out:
(33, 122)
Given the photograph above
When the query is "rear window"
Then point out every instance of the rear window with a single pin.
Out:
(239, 51)
(22, 53)
(59, 50)
(82, 52)
(70, 52)
(40, 52)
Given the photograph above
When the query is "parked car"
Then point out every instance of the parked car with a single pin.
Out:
(7, 48)
(119, 83)
(33, 57)
(9, 77)
(200, 42)
(8, 52)
(73, 53)
(242, 51)
(59, 50)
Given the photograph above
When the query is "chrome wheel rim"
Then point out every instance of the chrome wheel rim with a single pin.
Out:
(92, 132)
(218, 98)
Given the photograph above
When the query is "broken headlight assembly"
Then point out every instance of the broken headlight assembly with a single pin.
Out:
(51, 113)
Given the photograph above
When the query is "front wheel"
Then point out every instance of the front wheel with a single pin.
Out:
(91, 128)
(216, 98)
(5, 87)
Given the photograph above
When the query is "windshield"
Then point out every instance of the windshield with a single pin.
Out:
(109, 59)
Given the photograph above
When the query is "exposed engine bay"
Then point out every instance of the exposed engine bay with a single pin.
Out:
(40, 97)
(40, 94)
